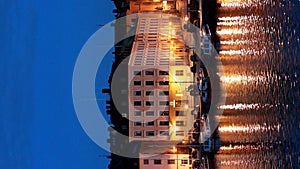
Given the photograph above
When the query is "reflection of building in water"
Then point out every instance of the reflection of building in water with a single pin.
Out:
(164, 156)
(158, 76)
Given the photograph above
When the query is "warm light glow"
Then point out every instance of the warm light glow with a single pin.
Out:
(241, 79)
(237, 3)
(174, 149)
(242, 52)
(186, 106)
(174, 128)
(241, 106)
(171, 53)
(186, 18)
(237, 42)
(250, 128)
(232, 31)
(173, 32)
(178, 94)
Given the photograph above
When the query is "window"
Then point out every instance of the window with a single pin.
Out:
(164, 93)
(164, 113)
(179, 113)
(171, 161)
(179, 73)
(164, 133)
(137, 123)
(137, 73)
(184, 161)
(163, 73)
(137, 133)
(163, 83)
(149, 93)
(148, 72)
(179, 123)
(149, 133)
(164, 123)
(179, 103)
(179, 133)
(164, 103)
(149, 83)
(149, 113)
(157, 162)
(150, 123)
(149, 103)
(137, 103)
(137, 113)
(137, 83)
(146, 161)
(137, 93)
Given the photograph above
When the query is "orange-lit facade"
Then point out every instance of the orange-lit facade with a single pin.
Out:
(159, 76)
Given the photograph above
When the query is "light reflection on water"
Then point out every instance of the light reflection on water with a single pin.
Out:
(260, 46)
(249, 128)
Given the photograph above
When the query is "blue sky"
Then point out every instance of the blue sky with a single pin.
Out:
(40, 41)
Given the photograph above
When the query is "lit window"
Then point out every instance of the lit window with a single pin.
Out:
(149, 113)
(171, 161)
(179, 113)
(137, 133)
(149, 83)
(164, 123)
(179, 73)
(179, 123)
(184, 161)
(149, 133)
(157, 162)
(137, 83)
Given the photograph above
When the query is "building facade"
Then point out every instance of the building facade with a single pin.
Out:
(158, 79)
(164, 155)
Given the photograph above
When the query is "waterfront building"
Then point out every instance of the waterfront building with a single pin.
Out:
(163, 156)
(159, 77)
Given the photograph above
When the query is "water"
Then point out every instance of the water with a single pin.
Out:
(260, 126)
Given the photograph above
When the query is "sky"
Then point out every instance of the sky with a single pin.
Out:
(39, 43)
